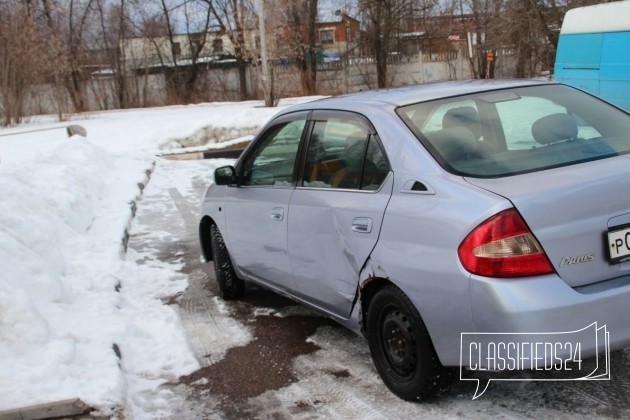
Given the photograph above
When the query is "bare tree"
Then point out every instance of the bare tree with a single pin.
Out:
(481, 17)
(300, 19)
(232, 18)
(50, 25)
(527, 29)
(384, 20)
(175, 49)
(174, 36)
(77, 13)
(535, 29)
(198, 36)
(114, 27)
(28, 55)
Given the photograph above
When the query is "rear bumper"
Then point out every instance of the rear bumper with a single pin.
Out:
(548, 305)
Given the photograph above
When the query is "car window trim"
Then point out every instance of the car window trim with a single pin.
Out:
(347, 190)
(324, 114)
(303, 151)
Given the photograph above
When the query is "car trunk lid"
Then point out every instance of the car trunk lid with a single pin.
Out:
(570, 210)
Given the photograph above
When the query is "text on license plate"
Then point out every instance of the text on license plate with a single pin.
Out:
(619, 245)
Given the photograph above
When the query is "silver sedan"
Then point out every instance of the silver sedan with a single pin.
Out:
(416, 214)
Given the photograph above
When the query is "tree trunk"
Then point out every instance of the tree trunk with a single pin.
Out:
(381, 68)
(305, 62)
(242, 78)
(312, 56)
(191, 81)
(73, 86)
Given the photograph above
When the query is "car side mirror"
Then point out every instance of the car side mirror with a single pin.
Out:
(225, 175)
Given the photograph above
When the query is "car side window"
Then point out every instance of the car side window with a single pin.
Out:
(273, 161)
(342, 153)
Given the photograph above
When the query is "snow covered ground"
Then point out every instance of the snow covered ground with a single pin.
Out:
(78, 317)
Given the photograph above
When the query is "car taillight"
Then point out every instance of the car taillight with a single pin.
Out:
(503, 246)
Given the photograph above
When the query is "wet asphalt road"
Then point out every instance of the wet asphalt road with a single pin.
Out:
(297, 364)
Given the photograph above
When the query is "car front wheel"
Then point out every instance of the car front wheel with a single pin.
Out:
(400, 345)
(230, 286)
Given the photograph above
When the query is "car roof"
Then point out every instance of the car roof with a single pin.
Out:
(406, 95)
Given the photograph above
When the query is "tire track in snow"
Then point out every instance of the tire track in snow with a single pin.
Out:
(209, 326)
(174, 194)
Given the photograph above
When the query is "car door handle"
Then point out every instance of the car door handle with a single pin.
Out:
(277, 214)
(362, 225)
(414, 186)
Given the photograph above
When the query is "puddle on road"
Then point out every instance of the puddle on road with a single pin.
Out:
(266, 363)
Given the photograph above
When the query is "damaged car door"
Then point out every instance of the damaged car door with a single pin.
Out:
(337, 209)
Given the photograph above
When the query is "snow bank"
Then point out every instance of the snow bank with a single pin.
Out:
(67, 296)
(77, 319)
(152, 130)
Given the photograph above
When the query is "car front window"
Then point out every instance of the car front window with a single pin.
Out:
(273, 161)
(506, 132)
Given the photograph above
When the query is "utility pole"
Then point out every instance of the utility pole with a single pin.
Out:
(266, 79)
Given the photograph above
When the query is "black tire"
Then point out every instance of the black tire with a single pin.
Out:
(400, 345)
(230, 286)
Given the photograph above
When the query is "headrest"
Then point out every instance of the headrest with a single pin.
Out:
(455, 143)
(554, 128)
(463, 116)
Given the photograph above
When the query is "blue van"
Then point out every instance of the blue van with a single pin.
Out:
(594, 51)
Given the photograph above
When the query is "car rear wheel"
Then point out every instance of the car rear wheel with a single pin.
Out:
(230, 286)
(400, 345)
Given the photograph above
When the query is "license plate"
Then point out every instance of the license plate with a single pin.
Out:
(619, 245)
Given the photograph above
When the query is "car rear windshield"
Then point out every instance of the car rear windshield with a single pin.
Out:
(512, 131)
